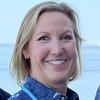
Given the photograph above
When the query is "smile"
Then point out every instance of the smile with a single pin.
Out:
(56, 62)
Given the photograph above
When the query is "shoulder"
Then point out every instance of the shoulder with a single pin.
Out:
(19, 96)
(4, 95)
(98, 94)
(72, 94)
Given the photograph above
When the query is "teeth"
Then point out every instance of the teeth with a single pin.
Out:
(56, 61)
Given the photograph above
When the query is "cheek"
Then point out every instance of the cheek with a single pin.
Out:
(71, 50)
(39, 52)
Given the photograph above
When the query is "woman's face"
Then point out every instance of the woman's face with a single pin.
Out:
(52, 49)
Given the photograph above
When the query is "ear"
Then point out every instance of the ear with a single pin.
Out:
(25, 52)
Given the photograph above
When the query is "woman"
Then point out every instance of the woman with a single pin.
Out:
(46, 55)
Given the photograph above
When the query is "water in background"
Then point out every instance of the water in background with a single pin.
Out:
(85, 86)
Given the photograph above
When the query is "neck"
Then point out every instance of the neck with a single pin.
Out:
(59, 87)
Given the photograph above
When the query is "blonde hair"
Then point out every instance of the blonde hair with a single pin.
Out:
(20, 67)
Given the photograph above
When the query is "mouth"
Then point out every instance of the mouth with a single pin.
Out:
(57, 62)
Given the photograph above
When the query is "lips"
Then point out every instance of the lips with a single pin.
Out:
(57, 62)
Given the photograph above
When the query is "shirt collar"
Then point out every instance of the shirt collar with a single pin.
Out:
(42, 91)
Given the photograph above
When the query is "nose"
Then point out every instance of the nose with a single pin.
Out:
(57, 48)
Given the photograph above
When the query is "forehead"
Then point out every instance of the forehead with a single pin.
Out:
(53, 20)
(53, 16)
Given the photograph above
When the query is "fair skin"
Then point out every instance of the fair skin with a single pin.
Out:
(52, 50)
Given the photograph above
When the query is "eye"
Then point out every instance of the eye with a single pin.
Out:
(43, 38)
(66, 37)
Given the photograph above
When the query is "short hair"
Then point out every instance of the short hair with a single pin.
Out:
(20, 67)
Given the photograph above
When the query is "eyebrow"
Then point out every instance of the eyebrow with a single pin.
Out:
(46, 32)
(42, 32)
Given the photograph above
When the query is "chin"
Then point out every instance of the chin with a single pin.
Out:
(60, 79)
(60, 82)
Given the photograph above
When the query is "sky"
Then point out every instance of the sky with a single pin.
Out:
(13, 11)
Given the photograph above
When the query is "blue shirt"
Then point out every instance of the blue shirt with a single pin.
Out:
(38, 91)
(98, 94)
